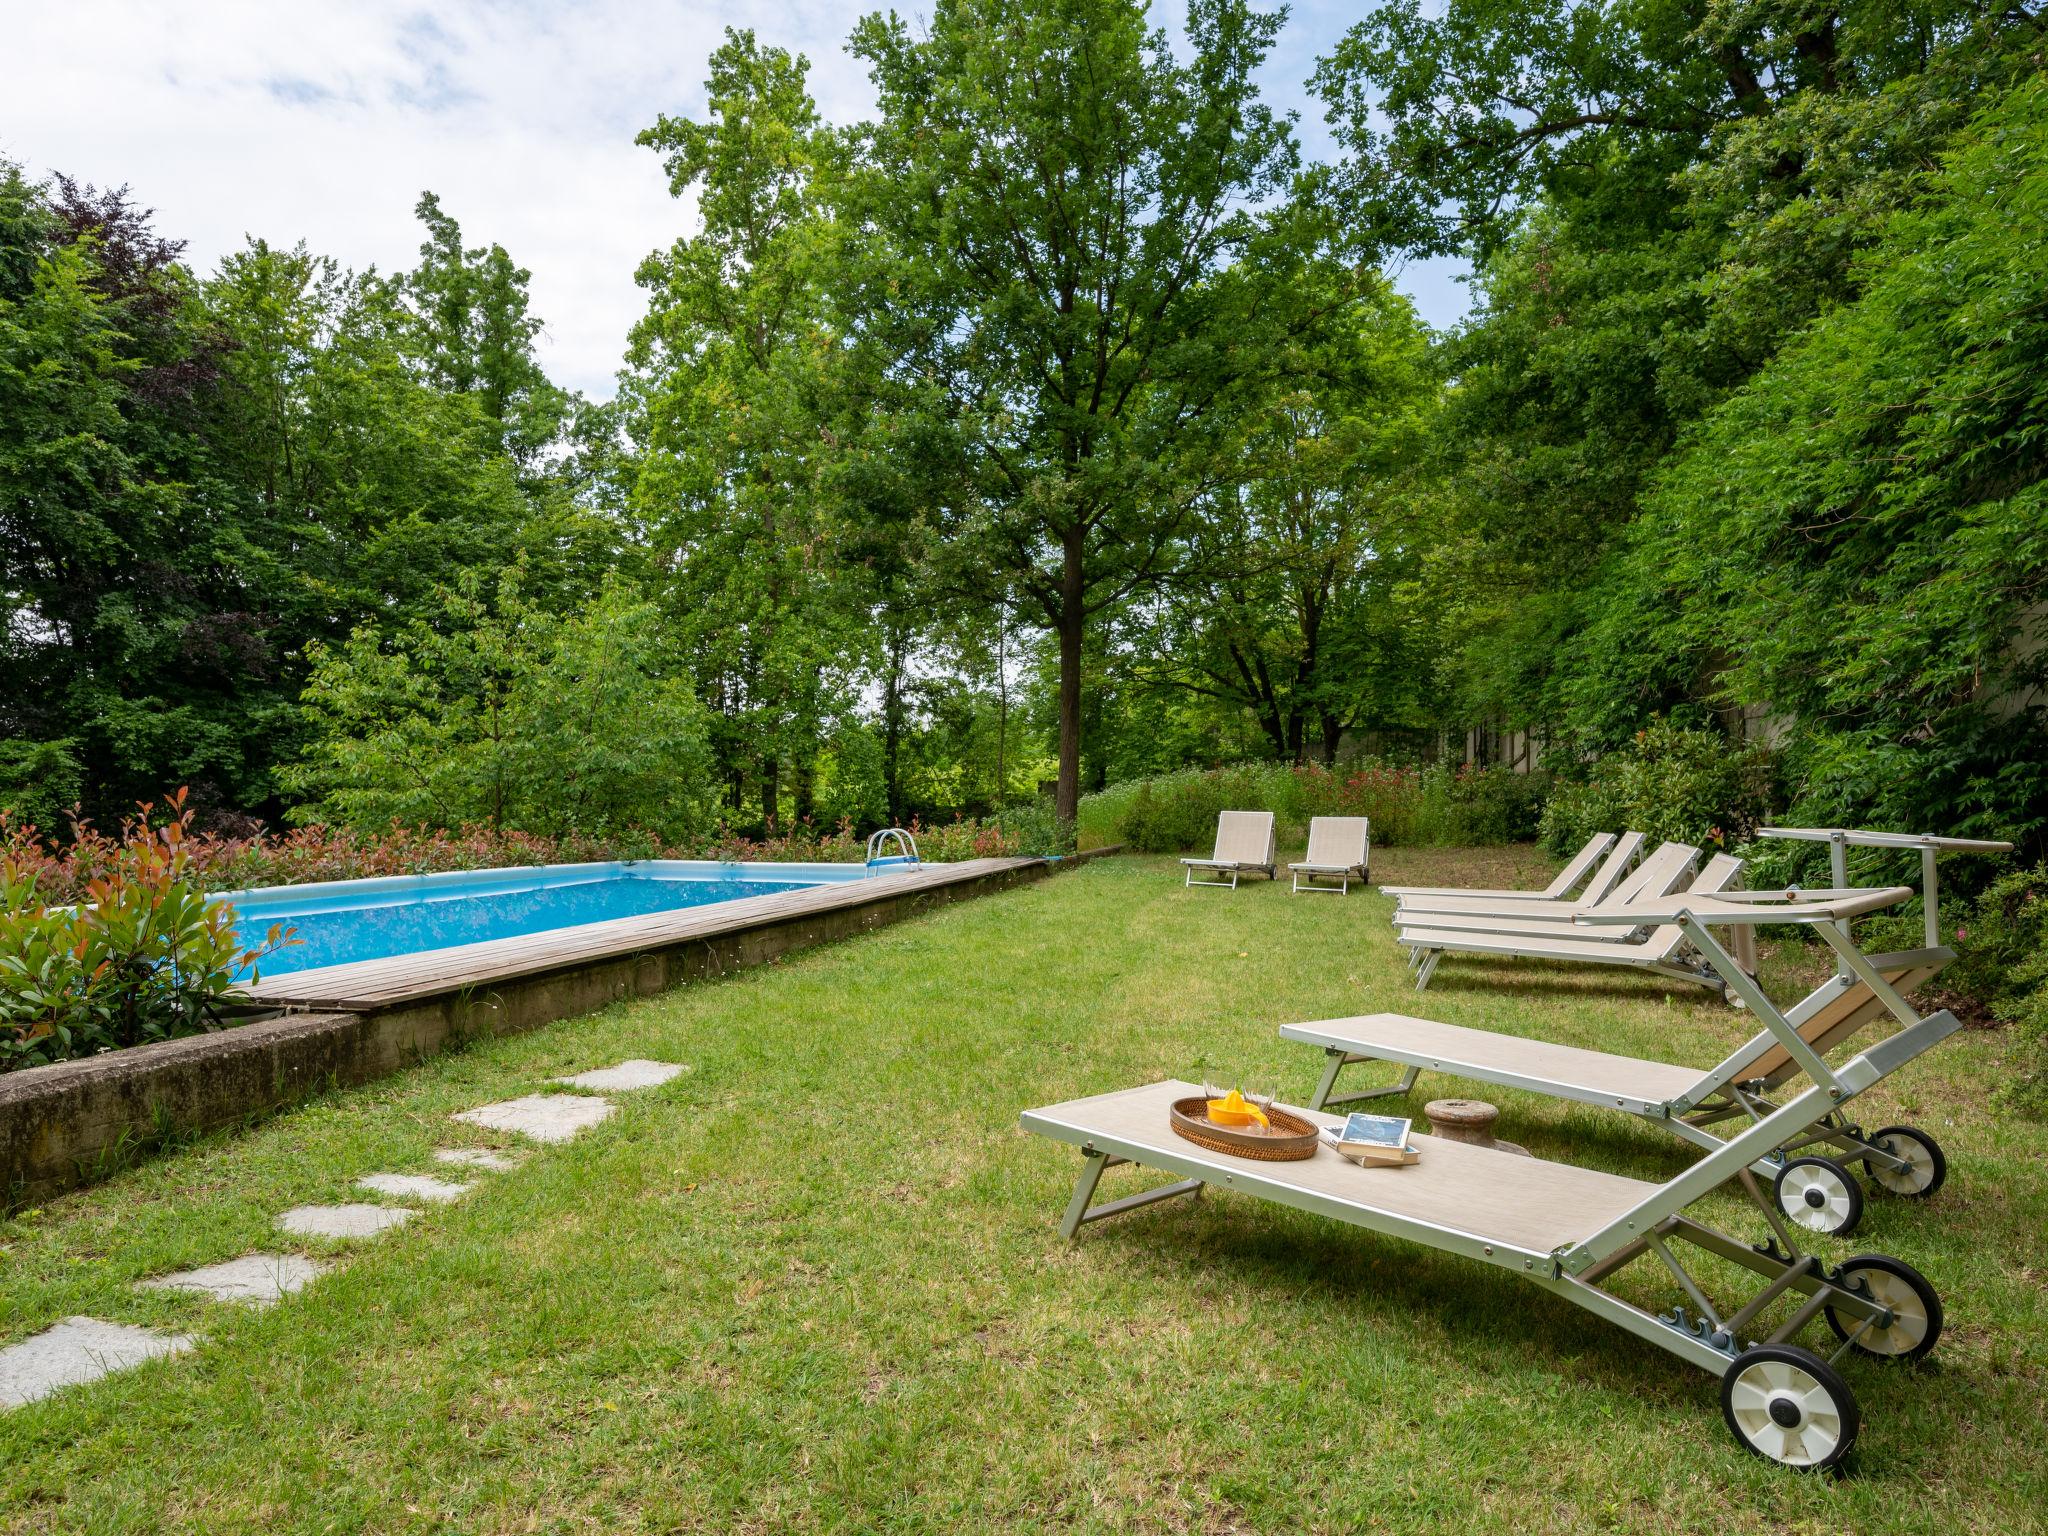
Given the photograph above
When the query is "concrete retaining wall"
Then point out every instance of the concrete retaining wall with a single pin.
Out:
(75, 1122)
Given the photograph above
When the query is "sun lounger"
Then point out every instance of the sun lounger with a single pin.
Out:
(1816, 1191)
(1620, 854)
(1244, 844)
(1659, 874)
(1340, 849)
(1571, 1230)
(1662, 950)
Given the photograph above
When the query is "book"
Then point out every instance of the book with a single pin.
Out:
(1375, 1141)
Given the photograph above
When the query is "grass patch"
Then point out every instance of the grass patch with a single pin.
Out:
(814, 1284)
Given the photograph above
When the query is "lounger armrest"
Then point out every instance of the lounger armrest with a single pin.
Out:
(1710, 909)
(1860, 839)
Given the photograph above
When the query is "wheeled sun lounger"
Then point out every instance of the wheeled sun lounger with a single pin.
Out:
(1658, 874)
(1816, 1191)
(1662, 948)
(1555, 920)
(1571, 1230)
(1620, 853)
(1244, 844)
(1340, 849)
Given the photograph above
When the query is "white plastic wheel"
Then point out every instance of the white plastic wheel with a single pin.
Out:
(1925, 1169)
(1819, 1194)
(1906, 1293)
(1788, 1406)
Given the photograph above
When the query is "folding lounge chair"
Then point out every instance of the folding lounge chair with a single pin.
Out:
(1244, 843)
(1663, 950)
(1658, 875)
(1570, 1230)
(1814, 1190)
(1340, 849)
(1620, 854)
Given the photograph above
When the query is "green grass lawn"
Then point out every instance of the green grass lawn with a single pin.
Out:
(815, 1284)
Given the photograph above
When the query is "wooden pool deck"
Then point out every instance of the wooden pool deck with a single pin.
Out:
(365, 986)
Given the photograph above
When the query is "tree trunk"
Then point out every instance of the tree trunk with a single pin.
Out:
(1067, 797)
(1333, 731)
(892, 726)
(804, 790)
(771, 793)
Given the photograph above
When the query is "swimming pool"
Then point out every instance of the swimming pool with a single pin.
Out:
(345, 920)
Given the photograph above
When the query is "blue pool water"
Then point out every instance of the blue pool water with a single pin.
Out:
(373, 919)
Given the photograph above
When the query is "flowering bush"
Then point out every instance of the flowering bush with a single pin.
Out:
(135, 954)
(64, 872)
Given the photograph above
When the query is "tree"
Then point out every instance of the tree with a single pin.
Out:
(1287, 604)
(1060, 203)
(502, 714)
(733, 376)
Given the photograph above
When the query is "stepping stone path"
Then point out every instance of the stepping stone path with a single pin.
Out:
(83, 1349)
(627, 1075)
(75, 1351)
(476, 1157)
(343, 1220)
(413, 1186)
(255, 1279)
(546, 1117)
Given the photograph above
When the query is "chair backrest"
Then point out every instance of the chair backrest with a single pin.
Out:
(1658, 875)
(1569, 877)
(1244, 837)
(1339, 841)
(1717, 877)
(1841, 1014)
(1614, 868)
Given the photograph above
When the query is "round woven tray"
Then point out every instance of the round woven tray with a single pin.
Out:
(1190, 1118)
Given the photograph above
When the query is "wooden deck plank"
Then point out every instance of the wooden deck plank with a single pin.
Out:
(366, 984)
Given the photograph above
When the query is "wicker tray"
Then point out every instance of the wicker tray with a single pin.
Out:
(1190, 1118)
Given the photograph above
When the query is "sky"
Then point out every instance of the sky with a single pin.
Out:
(324, 123)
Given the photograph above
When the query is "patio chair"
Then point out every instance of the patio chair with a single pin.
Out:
(1570, 1229)
(1815, 1191)
(1619, 853)
(1657, 875)
(1340, 849)
(1244, 843)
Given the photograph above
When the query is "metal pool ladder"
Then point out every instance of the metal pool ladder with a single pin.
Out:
(881, 844)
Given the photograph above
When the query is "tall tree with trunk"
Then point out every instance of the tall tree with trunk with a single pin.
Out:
(731, 393)
(1067, 210)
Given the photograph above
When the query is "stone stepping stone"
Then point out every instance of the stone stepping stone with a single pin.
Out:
(75, 1351)
(255, 1279)
(542, 1116)
(476, 1157)
(343, 1220)
(627, 1075)
(413, 1186)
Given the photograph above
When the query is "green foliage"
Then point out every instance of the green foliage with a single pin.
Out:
(1671, 784)
(1176, 812)
(143, 956)
(39, 781)
(506, 714)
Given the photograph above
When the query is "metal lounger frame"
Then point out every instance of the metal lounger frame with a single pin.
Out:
(1695, 1329)
(1724, 1092)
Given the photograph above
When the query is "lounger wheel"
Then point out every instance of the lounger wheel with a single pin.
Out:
(1787, 1405)
(1901, 1289)
(1926, 1168)
(1819, 1194)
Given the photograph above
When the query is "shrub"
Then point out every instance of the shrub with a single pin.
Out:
(1670, 783)
(144, 956)
(1175, 812)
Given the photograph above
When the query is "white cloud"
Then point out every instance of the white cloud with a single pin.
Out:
(326, 122)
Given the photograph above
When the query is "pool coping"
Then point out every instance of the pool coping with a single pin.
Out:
(74, 1123)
